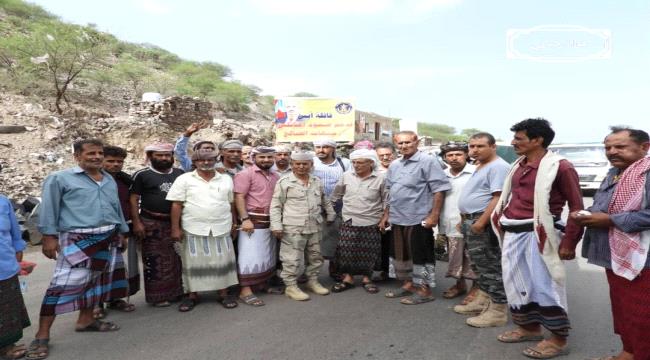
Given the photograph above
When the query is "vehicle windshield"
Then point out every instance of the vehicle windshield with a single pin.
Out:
(582, 154)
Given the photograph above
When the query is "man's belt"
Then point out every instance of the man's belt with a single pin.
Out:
(154, 215)
(521, 228)
(472, 216)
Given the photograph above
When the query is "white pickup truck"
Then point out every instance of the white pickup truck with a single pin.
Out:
(589, 161)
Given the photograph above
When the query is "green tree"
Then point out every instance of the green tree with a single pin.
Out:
(102, 79)
(135, 73)
(304, 94)
(22, 9)
(163, 83)
(439, 132)
(469, 132)
(57, 51)
(233, 95)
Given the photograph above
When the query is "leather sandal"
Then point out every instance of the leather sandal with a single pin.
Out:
(453, 292)
(517, 336)
(342, 286)
(546, 350)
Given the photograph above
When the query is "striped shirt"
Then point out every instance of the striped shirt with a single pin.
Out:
(329, 174)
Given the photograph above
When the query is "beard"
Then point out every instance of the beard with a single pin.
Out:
(161, 165)
(264, 166)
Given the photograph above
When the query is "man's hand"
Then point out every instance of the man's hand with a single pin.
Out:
(194, 127)
(50, 247)
(247, 226)
(138, 229)
(278, 234)
(595, 220)
(477, 228)
(176, 234)
(123, 241)
(430, 222)
(567, 254)
(383, 224)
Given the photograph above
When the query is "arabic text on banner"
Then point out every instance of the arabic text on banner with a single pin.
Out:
(309, 119)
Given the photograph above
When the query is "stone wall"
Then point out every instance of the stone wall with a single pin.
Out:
(176, 111)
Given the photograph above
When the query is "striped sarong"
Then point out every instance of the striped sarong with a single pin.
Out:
(533, 296)
(208, 262)
(257, 252)
(89, 270)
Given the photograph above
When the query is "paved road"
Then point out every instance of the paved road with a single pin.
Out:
(350, 325)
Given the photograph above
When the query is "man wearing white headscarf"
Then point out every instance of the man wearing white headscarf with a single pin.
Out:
(329, 168)
(282, 160)
(364, 198)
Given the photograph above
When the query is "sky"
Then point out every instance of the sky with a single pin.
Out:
(584, 64)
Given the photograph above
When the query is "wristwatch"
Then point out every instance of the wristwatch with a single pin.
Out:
(244, 219)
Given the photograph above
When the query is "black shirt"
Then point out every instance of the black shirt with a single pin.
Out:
(152, 187)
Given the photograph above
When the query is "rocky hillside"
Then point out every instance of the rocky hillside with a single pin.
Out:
(38, 124)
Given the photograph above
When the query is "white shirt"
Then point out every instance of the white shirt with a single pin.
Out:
(450, 215)
(206, 204)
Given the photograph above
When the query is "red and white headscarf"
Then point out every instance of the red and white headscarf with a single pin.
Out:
(629, 254)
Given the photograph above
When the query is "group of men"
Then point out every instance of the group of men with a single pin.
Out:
(227, 224)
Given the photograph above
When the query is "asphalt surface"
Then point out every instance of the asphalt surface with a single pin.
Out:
(349, 325)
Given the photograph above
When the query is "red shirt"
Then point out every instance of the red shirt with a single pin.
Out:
(258, 186)
(565, 189)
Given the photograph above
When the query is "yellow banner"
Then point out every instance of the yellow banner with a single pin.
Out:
(309, 119)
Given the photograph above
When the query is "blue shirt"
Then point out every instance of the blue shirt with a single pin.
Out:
(411, 183)
(595, 244)
(180, 152)
(73, 200)
(478, 190)
(11, 241)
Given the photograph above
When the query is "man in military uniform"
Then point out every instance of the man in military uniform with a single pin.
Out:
(296, 207)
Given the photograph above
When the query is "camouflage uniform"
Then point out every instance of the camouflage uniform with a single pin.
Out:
(485, 253)
(296, 210)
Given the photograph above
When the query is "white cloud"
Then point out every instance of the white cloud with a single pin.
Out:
(347, 7)
(154, 7)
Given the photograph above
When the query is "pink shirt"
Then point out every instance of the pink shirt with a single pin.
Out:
(258, 187)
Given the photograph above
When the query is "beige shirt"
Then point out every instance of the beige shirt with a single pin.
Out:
(363, 199)
(206, 204)
(296, 208)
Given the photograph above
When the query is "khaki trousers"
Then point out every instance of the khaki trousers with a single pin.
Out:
(296, 249)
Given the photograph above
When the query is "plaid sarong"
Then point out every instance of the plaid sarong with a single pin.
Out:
(89, 270)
